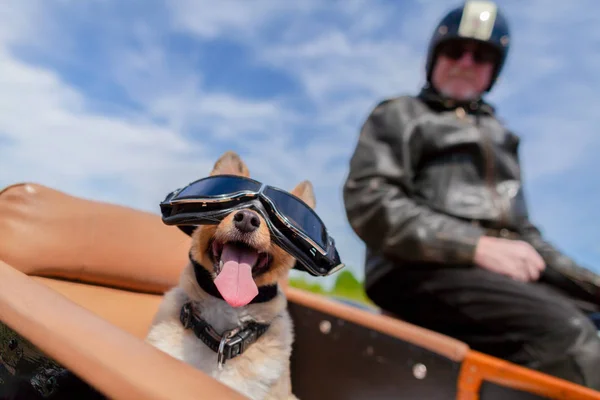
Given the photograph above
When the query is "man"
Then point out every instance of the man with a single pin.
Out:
(434, 191)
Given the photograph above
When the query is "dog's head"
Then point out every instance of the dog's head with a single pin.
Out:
(238, 252)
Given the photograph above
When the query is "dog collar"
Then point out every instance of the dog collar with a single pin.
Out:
(265, 293)
(227, 346)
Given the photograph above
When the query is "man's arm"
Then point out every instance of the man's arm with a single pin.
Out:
(560, 266)
(561, 270)
(380, 209)
(551, 255)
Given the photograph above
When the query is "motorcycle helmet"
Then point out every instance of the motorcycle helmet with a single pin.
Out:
(479, 21)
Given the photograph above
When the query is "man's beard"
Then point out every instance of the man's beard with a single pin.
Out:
(468, 94)
(465, 95)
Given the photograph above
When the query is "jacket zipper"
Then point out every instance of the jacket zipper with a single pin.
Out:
(491, 176)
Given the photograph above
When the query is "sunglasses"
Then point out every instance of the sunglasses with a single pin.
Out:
(481, 53)
(294, 226)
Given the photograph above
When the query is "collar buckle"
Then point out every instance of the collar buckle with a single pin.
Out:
(227, 347)
(186, 315)
(230, 344)
(235, 342)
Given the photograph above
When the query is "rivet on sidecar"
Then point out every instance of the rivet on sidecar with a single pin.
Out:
(325, 327)
(419, 371)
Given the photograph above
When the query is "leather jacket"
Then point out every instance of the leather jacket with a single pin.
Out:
(429, 177)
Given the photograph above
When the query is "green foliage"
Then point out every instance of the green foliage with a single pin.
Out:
(346, 286)
(310, 287)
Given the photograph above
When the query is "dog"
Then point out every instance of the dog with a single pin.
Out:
(239, 259)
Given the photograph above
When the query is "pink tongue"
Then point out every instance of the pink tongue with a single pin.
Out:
(235, 282)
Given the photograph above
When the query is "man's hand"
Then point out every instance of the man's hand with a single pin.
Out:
(513, 258)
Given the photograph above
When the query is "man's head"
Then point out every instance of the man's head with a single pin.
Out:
(468, 50)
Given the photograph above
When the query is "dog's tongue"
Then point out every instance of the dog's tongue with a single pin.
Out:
(235, 282)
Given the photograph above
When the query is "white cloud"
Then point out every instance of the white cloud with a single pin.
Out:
(56, 141)
(17, 19)
(331, 65)
(231, 18)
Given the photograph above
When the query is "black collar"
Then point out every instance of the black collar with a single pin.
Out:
(227, 346)
(232, 343)
(204, 279)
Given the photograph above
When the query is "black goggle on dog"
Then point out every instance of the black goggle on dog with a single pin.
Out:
(294, 226)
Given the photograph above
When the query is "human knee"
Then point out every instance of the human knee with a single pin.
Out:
(573, 336)
(577, 343)
(587, 353)
(584, 335)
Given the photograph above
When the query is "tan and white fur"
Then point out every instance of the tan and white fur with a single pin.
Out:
(263, 370)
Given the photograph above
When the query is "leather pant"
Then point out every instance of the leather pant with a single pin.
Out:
(531, 324)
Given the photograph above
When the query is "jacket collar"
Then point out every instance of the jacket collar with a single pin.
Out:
(437, 101)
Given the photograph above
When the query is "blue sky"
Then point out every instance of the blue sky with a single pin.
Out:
(125, 101)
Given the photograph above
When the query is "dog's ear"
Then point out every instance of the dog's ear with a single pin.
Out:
(230, 164)
(304, 190)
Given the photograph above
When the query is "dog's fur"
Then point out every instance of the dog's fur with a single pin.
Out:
(263, 371)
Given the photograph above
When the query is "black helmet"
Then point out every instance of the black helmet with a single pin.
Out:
(480, 21)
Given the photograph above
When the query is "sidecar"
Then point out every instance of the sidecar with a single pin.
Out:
(80, 281)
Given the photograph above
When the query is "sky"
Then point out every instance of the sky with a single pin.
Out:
(125, 101)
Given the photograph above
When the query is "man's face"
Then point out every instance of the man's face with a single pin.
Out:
(463, 69)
